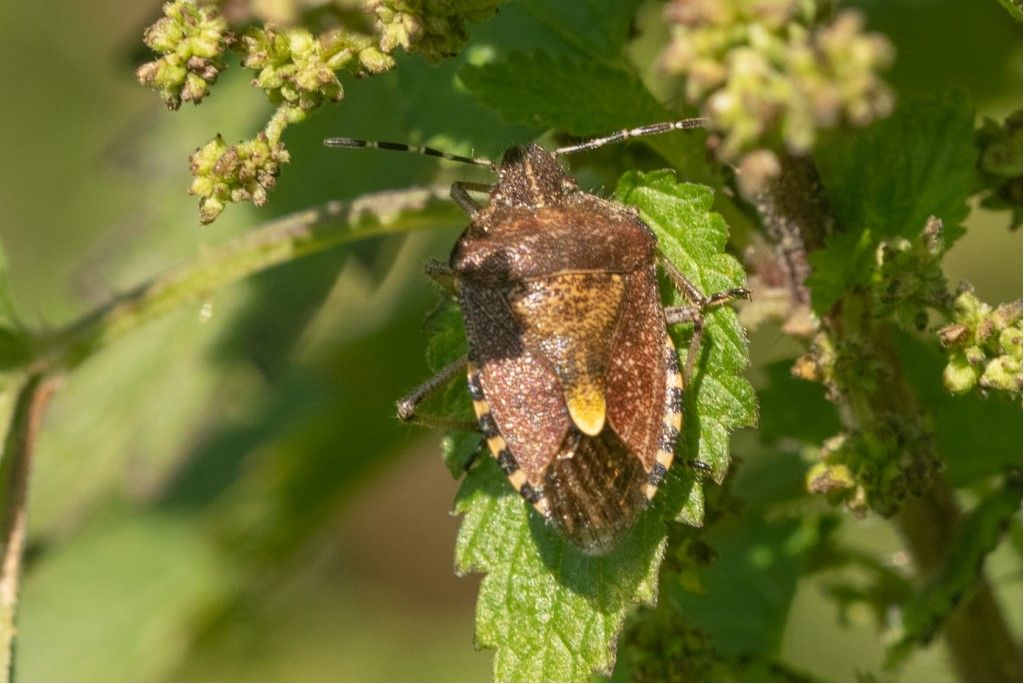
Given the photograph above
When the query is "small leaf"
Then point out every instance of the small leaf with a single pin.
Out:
(886, 180)
(551, 612)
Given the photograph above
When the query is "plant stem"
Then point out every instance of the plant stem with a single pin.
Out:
(979, 640)
(280, 241)
(15, 467)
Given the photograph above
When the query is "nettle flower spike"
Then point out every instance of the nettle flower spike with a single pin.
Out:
(768, 76)
(235, 173)
(192, 41)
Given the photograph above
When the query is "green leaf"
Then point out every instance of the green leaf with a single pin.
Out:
(447, 343)
(597, 29)
(590, 98)
(886, 180)
(551, 612)
(977, 536)
(581, 98)
(86, 594)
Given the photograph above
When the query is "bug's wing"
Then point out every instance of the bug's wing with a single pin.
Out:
(644, 385)
(596, 492)
(516, 395)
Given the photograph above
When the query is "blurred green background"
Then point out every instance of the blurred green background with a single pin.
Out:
(227, 494)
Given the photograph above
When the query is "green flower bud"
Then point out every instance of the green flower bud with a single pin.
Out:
(1002, 373)
(825, 478)
(959, 375)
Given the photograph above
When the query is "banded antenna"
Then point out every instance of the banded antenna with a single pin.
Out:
(640, 131)
(404, 147)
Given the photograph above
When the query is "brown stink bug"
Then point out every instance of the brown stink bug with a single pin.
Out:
(575, 381)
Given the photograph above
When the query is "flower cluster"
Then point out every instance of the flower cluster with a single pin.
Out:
(298, 69)
(984, 345)
(874, 473)
(768, 76)
(191, 41)
(908, 278)
(434, 28)
(234, 173)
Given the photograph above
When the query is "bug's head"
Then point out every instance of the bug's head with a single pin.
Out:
(530, 176)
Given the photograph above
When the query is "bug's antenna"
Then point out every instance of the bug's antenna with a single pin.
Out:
(627, 133)
(403, 147)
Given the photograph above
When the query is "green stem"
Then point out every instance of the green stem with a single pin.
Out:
(280, 241)
(15, 466)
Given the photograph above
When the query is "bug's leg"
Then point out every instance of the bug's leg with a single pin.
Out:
(699, 304)
(442, 274)
(700, 466)
(460, 193)
(688, 314)
(693, 294)
(407, 404)
(680, 314)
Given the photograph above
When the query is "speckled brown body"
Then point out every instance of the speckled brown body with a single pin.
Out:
(575, 382)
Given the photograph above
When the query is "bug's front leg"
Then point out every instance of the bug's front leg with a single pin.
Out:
(460, 193)
(407, 405)
(694, 313)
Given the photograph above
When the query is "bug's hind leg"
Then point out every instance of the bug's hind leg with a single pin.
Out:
(407, 405)
(694, 313)
(442, 274)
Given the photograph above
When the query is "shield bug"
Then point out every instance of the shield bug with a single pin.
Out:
(574, 379)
